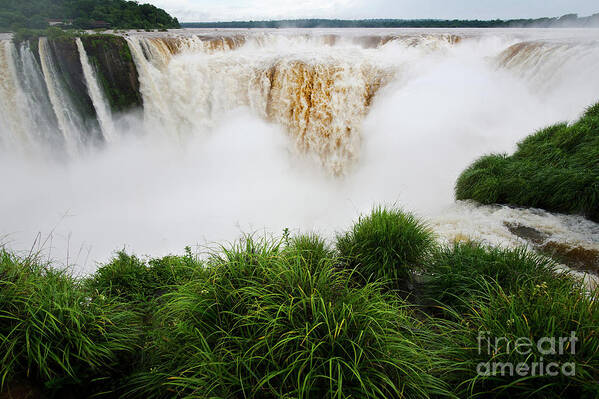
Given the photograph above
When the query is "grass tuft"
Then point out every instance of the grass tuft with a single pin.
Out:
(132, 279)
(266, 324)
(388, 245)
(55, 334)
(520, 342)
(460, 271)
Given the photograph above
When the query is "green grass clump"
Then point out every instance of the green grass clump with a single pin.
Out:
(132, 279)
(455, 273)
(500, 321)
(496, 296)
(556, 169)
(310, 249)
(387, 244)
(55, 334)
(266, 324)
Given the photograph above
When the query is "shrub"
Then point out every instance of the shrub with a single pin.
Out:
(554, 169)
(54, 333)
(388, 244)
(265, 324)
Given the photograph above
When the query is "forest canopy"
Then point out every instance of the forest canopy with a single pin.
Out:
(82, 14)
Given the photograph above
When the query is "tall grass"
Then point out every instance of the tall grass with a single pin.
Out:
(269, 325)
(295, 318)
(503, 320)
(460, 271)
(55, 334)
(386, 245)
(498, 296)
(554, 169)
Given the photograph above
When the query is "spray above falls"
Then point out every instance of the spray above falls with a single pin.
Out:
(318, 87)
(196, 136)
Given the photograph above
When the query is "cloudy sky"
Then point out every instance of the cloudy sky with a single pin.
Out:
(228, 10)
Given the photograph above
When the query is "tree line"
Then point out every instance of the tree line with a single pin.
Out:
(82, 14)
(569, 20)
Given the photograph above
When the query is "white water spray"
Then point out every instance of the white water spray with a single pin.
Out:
(231, 126)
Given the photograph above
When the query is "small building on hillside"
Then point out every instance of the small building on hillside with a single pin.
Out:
(60, 22)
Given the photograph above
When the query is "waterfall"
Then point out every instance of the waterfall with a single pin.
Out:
(69, 122)
(15, 128)
(320, 98)
(95, 93)
(245, 130)
(40, 112)
(318, 87)
(152, 86)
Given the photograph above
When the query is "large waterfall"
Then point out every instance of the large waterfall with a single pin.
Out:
(251, 130)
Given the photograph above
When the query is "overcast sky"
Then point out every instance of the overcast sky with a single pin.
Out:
(229, 10)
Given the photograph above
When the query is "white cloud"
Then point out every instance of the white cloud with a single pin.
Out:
(228, 10)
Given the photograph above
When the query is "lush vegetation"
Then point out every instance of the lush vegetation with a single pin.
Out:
(569, 20)
(297, 318)
(83, 14)
(556, 169)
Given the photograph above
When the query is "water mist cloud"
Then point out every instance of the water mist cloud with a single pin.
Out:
(154, 191)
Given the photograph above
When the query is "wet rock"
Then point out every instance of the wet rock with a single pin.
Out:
(528, 233)
(574, 256)
(116, 71)
(66, 59)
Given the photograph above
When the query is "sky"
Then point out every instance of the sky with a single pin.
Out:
(230, 10)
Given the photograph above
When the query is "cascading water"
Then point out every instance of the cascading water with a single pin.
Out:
(101, 106)
(242, 131)
(40, 114)
(15, 128)
(69, 122)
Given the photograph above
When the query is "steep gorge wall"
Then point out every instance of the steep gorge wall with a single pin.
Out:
(66, 59)
(115, 70)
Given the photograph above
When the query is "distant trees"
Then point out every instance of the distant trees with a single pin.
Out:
(569, 20)
(119, 14)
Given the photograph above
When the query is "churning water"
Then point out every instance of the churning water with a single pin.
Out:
(253, 131)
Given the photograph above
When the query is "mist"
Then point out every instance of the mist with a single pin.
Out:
(180, 174)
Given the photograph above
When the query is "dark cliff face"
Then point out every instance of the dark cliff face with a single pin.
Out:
(116, 71)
